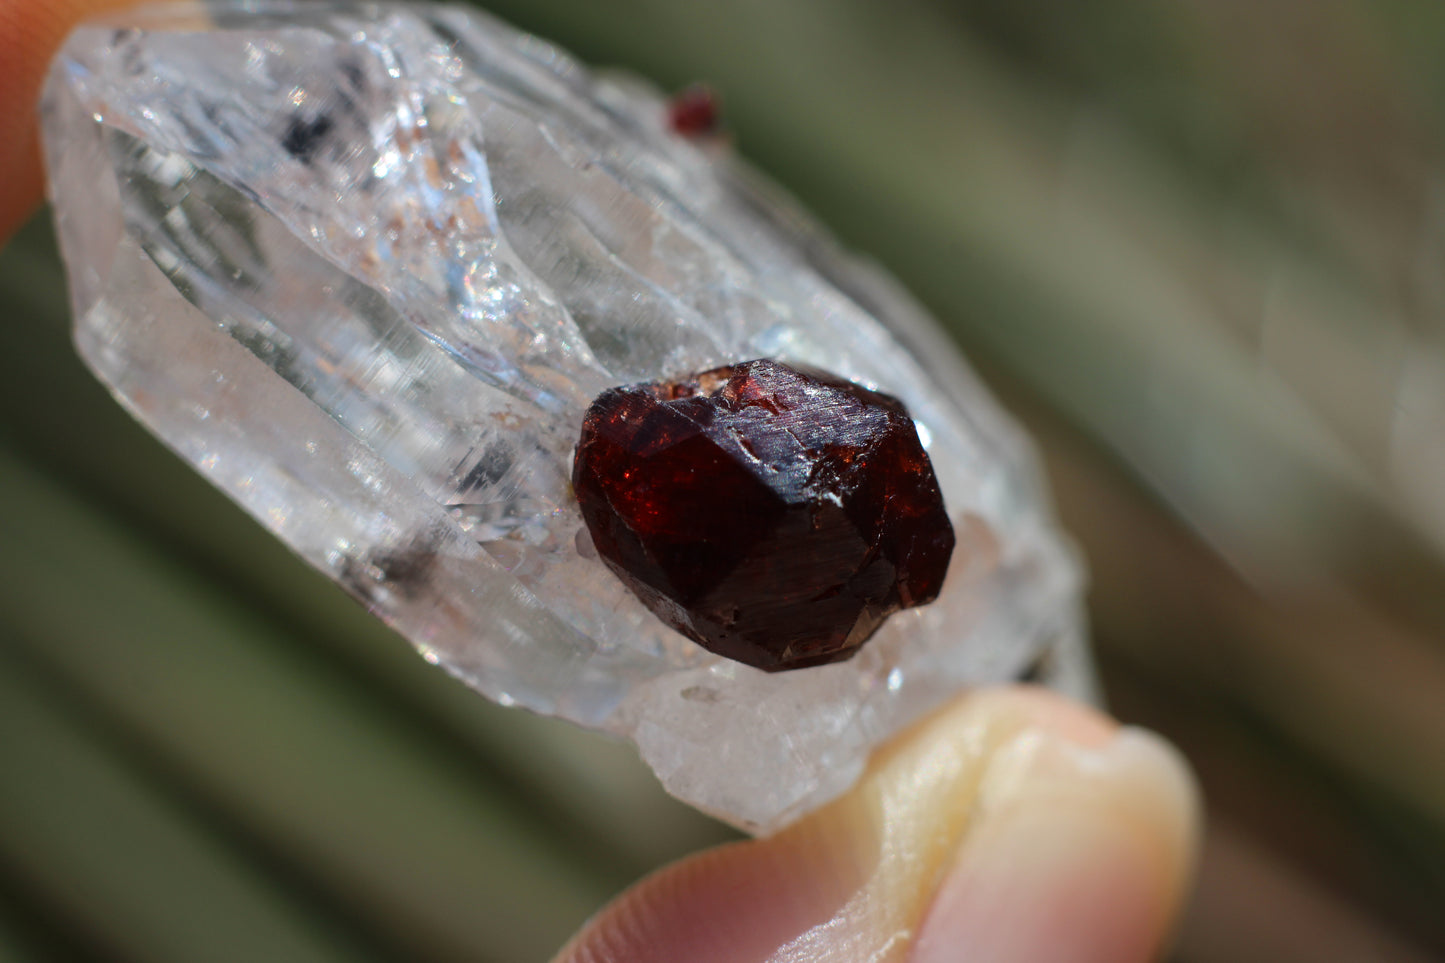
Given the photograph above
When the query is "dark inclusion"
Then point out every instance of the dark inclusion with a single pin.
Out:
(775, 515)
(304, 137)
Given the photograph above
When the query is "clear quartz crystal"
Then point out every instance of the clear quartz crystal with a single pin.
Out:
(365, 266)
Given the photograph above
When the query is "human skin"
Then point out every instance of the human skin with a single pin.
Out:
(1009, 827)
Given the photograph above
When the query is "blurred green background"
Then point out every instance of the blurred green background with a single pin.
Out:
(1196, 245)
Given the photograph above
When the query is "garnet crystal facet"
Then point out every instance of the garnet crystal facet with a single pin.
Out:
(775, 515)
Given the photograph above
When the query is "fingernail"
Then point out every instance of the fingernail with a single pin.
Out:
(1073, 854)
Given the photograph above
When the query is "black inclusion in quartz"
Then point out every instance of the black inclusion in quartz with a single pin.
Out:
(775, 515)
(304, 138)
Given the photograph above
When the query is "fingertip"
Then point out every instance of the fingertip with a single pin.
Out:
(30, 33)
(1077, 855)
(1017, 784)
(738, 902)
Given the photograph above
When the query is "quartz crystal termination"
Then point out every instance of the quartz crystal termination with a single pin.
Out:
(776, 516)
(366, 266)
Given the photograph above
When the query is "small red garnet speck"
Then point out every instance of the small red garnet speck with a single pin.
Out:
(775, 515)
(695, 111)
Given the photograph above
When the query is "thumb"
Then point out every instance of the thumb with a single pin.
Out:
(30, 33)
(1011, 827)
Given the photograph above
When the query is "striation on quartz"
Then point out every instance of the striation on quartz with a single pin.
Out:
(366, 265)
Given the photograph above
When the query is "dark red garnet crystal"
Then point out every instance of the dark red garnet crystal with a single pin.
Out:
(694, 112)
(776, 515)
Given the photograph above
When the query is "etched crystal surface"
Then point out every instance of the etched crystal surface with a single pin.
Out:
(365, 266)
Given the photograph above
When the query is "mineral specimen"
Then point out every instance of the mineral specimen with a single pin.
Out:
(775, 516)
(366, 266)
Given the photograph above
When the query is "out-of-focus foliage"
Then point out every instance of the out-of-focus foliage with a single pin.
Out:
(1198, 246)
